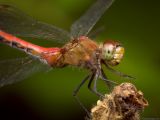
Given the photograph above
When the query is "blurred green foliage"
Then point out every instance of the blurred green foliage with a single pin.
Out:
(135, 23)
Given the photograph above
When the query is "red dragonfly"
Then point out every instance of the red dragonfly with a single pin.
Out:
(78, 50)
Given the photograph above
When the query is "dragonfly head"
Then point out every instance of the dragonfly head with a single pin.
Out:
(112, 52)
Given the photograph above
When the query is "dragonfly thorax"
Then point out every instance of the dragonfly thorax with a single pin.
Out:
(112, 52)
(80, 52)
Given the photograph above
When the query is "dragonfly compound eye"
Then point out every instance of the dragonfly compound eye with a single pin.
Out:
(112, 52)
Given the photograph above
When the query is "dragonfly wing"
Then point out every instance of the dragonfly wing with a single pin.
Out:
(94, 33)
(13, 21)
(15, 70)
(85, 23)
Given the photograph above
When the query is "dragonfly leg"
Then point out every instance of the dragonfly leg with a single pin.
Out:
(94, 78)
(84, 108)
(76, 97)
(80, 85)
(109, 83)
(118, 72)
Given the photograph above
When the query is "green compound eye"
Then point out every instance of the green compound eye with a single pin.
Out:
(108, 52)
(112, 52)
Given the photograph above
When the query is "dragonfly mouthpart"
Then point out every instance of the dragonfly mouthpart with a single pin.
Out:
(112, 52)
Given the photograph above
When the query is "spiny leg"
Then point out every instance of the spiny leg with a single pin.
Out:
(107, 81)
(118, 72)
(76, 97)
(83, 107)
(80, 85)
(104, 77)
(90, 82)
(94, 89)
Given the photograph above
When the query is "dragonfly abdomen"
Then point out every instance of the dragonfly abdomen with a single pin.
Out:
(19, 44)
(48, 55)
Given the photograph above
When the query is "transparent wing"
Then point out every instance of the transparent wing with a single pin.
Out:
(15, 70)
(18, 23)
(85, 23)
(94, 33)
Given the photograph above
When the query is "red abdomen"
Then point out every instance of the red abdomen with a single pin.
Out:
(49, 54)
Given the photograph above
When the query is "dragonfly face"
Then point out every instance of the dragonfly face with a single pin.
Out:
(112, 52)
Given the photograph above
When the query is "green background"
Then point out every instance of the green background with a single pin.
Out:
(135, 23)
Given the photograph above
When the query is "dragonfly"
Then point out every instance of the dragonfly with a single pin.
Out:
(77, 48)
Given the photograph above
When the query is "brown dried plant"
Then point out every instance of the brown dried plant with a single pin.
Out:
(125, 102)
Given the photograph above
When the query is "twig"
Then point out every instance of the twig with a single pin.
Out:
(124, 103)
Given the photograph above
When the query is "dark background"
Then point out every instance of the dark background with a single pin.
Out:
(135, 23)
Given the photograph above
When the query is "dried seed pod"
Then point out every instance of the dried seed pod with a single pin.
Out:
(124, 103)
